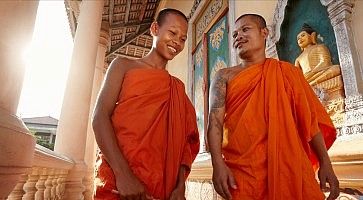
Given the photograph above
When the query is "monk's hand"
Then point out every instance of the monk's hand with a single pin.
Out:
(129, 186)
(326, 174)
(178, 193)
(223, 179)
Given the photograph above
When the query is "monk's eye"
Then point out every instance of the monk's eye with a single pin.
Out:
(234, 35)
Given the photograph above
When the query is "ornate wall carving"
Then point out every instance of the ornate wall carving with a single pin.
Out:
(207, 17)
(340, 12)
(274, 28)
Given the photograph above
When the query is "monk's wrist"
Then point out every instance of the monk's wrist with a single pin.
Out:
(217, 160)
(181, 176)
(324, 161)
(122, 171)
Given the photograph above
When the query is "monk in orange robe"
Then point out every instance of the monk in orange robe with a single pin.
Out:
(144, 123)
(267, 130)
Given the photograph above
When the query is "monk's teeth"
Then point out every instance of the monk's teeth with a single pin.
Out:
(172, 49)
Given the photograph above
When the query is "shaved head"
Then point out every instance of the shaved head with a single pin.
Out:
(163, 14)
(257, 18)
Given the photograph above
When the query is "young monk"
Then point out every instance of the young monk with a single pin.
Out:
(271, 124)
(144, 123)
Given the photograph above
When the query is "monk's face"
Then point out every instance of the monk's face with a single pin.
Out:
(304, 39)
(248, 37)
(170, 35)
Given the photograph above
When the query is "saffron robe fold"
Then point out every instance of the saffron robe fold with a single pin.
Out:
(155, 126)
(271, 115)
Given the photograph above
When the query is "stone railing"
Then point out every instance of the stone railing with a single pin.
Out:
(46, 179)
(200, 186)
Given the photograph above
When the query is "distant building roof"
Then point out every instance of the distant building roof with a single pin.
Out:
(41, 120)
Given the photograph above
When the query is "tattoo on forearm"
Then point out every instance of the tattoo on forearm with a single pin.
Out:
(215, 122)
(218, 92)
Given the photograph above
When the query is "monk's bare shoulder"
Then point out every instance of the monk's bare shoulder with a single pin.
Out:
(121, 65)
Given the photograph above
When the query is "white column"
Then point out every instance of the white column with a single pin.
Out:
(91, 146)
(72, 127)
(17, 19)
(233, 56)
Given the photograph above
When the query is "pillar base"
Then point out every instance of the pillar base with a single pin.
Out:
(16, 151)
(74, 187)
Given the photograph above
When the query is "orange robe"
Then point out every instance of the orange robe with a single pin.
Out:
(271, 115)
(156, 130)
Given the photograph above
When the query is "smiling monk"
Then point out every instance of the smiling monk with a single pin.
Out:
(144, 123)
(267, 129)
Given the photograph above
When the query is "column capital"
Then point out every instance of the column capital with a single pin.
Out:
(339, 11)
(105, 37)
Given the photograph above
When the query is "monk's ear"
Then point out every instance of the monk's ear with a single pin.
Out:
(154, 29)
(265, 32)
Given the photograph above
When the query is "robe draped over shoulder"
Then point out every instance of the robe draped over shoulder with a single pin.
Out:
(271, 116)
(155, 126)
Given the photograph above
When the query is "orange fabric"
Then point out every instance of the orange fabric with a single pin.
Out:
(155, 126)
(271, 115)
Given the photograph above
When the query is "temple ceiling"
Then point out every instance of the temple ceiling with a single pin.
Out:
(129, 22)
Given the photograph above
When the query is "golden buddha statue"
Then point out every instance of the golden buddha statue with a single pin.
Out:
(315, 62)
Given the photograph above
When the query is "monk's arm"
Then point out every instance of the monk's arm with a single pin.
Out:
(318, 144)
(216, 116)
(179, 190)
(326, 172)
(101, 121)
(181, 176)
(104, 132)
(222, 176)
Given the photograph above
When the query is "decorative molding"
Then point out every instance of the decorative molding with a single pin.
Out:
(354, 117)
(207, 18)
(350, 130)
(194, 8)
(353, 102)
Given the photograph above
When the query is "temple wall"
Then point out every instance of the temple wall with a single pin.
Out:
(264, 8)
(357, 26)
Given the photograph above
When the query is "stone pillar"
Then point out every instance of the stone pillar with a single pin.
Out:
(72, 127)
(348, 162)
(340, 12)
(233, 57)
(91, 146)
(274, 29)
(17, 19)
